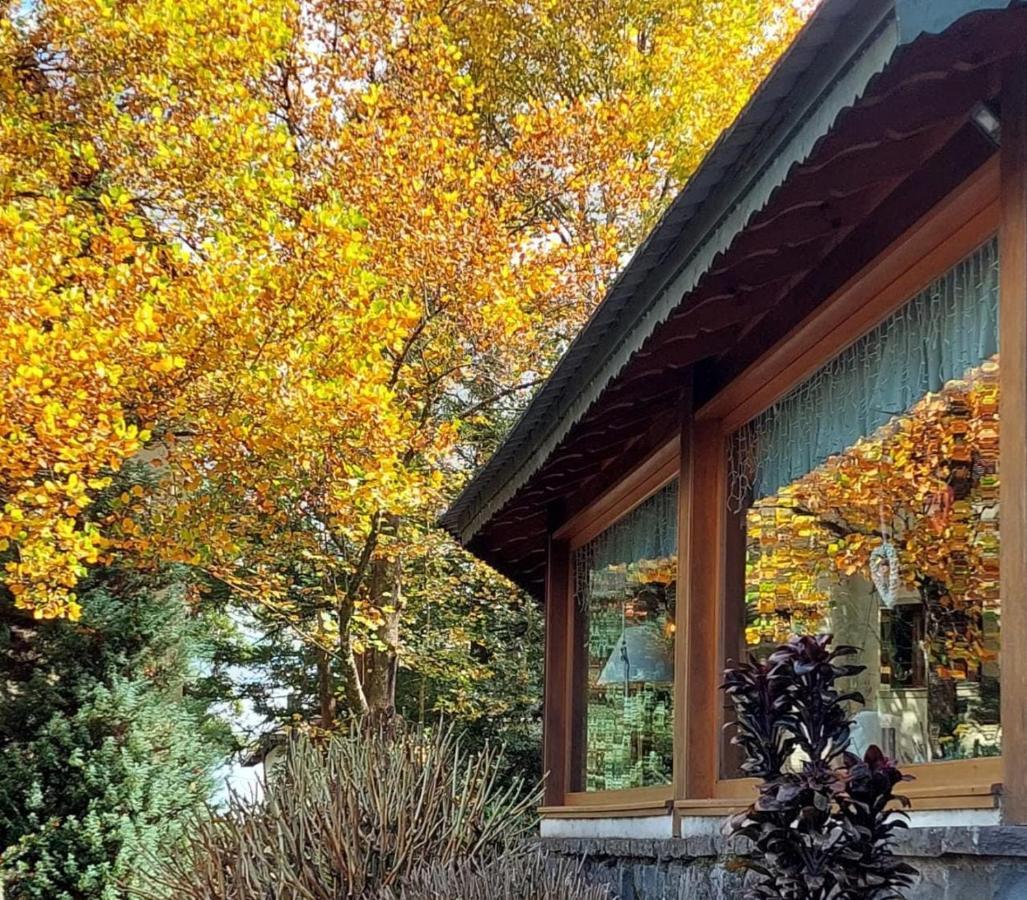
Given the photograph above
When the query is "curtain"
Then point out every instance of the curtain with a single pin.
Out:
(647, 534)
(936, 337)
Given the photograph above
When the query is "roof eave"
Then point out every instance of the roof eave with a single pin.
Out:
(827, 69)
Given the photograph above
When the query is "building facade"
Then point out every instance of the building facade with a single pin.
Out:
(802, 408)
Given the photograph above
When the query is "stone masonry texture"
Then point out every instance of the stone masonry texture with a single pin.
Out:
(978, 863)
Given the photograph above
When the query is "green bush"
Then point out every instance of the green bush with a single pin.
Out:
(103, 751)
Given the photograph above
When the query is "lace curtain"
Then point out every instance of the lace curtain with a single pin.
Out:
(647, 534)
(935, 337)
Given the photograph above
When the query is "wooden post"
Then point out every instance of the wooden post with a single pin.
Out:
(558, 661)
(696, 676)
(682, 718)
(1013, 439)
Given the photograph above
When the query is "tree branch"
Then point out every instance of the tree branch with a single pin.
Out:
(499, 395)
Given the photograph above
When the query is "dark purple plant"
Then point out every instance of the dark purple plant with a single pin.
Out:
(821, 827)
(762, 700)
(864, 802)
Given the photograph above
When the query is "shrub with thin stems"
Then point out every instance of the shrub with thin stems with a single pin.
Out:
(527, 874)
(380, 812)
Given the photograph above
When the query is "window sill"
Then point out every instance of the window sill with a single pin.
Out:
(612, 804)
(959, 784)
(981, 796)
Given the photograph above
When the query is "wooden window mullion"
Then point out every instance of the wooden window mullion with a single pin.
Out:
(557, 676)
(1013, 459)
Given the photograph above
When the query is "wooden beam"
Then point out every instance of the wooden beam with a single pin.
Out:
(818, 216)
(858, 247)
(954, 228)
(614, 465)
(1013, 462)
(557, 677)
(696, 716)
(682, 716)
(642, 482)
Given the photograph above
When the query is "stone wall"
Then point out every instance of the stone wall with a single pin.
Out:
(975, 863)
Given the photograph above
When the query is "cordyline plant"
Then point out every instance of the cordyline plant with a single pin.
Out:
(381, 812)
(822, 827)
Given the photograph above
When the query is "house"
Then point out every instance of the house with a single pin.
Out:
(784, 418)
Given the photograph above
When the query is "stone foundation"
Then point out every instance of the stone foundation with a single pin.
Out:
(955, 863)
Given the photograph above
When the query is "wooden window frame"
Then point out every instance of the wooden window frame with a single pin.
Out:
(564, 629)
(1013, 460)
(992, 201)
(959, 224)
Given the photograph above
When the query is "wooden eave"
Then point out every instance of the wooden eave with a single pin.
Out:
(887, 160)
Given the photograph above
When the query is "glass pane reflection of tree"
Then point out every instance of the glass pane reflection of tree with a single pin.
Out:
(625, 582)
(892, 545)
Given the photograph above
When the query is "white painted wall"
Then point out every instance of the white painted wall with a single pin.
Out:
(654, 827)
(661, 826)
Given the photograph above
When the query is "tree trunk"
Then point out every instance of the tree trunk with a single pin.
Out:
(382, 661)
(352, 690)
(326, 689)
(337, 675)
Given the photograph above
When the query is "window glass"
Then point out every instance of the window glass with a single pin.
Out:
(868, 498)
(624, 585)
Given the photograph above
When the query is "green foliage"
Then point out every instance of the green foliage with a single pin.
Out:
(103, 748)
(472, 655)
(379, 812)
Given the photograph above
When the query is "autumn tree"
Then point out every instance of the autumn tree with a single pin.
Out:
(295, 253)
(122, 151)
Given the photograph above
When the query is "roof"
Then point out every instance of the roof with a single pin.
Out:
(825, 71)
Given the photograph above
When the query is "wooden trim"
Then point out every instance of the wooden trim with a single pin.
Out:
(714, 808)
(634, 802)
(577, 684)
(656, 471)
(607, 811)
(978, 776)
(736, 789)
(953, 797)
(949, 232)
(952, 784)
(698, 727)
(557, 673)
(565, 812)
(564, 713)
(953, 229)
(684, 716)
(1013, 439)
(634, 798)
(982, 773)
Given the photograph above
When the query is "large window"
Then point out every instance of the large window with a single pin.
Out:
(624, 585)
(868, 501)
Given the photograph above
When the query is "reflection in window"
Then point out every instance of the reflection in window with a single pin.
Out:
(903, 631)
(869, 501)
(625, 584)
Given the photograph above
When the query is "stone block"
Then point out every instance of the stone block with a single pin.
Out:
(973, 863)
